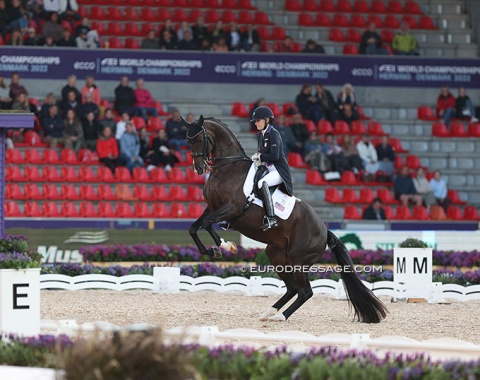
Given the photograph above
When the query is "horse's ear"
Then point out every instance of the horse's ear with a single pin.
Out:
(200, 120)
(185, 123)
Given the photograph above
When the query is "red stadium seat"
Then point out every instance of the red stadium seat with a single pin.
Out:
(32, 174)
(264, 32)
(70, 193)
(131, 29)
(341, 128)
(98, 13)
(357, 127)
(350, 49)
(420, 213)
(470, 213)
(68, 156)
(391, 21)
(87, 193)
(398, 163)
(239, 109)
(14, 191)
(192, 177)
(323, 19)
(354, 35)
(262, 18)
(324, 127)
(14, 156)
(160, 210)
(148, 14)
(177, 193)
(179, 15)
(295, 160)
(194, 14)
(395, 7)
(349, 195)
(69, 174)
(50, 191)
(141, 210)
(403, 213)
(288, 108)
(32, 210)
(50, 210)
(106, 193)
(230, 4)
(228, 16)
(335, 34)
(376, 19)
(12, 210)
(177, 176)
(437, 213)
(293, 5)
(348, 178)
(386, 196)
(195, 210)
(178, 210)
(366, 195)
(313, 177)
(140, 175)
(158, 175)
(378, 6)
(454, 213)
(69, 210)
(375, 129)
(114, 29)
(310, 6)
(211, 16)
(33, 139)
(332, 195)
(245, 17)
(410, 20)
(124, 210)
(439, 129)
(32, 156)
(275, 108)
(50, 156)
(327, 6)
(413, 162)
(412, 7)
(457, 129)
(163, 14)
(123, 192)
(358, 21)
(122, 174)
(105, 210)
(387, 35)
(115, 43)
(13, 173)
(425, 22)
(32, 192)
(397, 145)
(195, 193)
(160, 193)
(340, 20)
(474, 129)
(131, 14)
(351, 212)
(278, 33)
(142, 193)
(361, 6)
(87, 210)
(211, 4)
(452, 194)
(344, 6)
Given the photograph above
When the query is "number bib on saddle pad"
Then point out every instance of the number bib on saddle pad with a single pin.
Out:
(283, 203)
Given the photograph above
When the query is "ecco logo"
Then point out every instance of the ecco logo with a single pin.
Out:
(362, 72)
(84, 65)
(225, 69)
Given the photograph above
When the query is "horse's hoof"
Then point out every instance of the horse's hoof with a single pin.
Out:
(229, 246)
(216, 253)
(268, 313)
(278, 318)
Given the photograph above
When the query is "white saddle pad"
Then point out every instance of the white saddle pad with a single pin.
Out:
(283, 203)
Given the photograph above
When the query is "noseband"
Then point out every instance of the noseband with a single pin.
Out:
(206, 154)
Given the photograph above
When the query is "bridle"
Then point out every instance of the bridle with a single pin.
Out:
(208, 160)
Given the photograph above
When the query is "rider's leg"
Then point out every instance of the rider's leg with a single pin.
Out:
(271, 179)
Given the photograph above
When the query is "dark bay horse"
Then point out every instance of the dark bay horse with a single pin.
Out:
(298, 241)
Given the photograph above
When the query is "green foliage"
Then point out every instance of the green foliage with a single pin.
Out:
(14, 253)
(413, 243)
(262, 258)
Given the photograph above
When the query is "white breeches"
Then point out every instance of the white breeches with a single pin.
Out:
(273, 178)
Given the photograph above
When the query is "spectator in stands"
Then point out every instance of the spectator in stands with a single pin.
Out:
(107, 150)
(92, 89)
(187, 42)
(49, 101)
(326, 102)
(91, 130)
(121, 125)
(84, 24)
(162, 154)
(375, 211)
(145, 151)
(5, 99)
(371, 42)
(151, 42)
(69, 10)
(250, 39)
(300, 132)
(53, 127)
(167, 42)
(176, 131)
(21, 103)
(182, 29)
(169, 27)
(464, 106)
(368, 154)
(88, 39)
(49, 42)
(335, 154)
(205, 45)
(404, 43)
(89, 106)
(31, 38)
(72, 131)
(314, 155)
(386, 156)
(16, 38)
(311, 47)
(130, 148)
(309, 105)
(220, 45)
(108, 121)
(35, 10)
(288, 138)
(200, 31)
(349, 114)
(52, 28)
(18, 16)
(70, 86)
(405, 190)
(423, 188)
(354, 162)
(144, 102)
(50, 6)
(15, 87)
(233, 37)
(440, 190)
(71, 104)
(125, 97)
(217, 32)
(287, 46)
(445, 105)
(346, 96)
(4, 19)
(67, 39)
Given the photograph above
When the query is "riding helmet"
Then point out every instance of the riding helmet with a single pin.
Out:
(262, 112)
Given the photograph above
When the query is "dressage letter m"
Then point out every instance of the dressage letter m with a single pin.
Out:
(401, 265)
(417, 266)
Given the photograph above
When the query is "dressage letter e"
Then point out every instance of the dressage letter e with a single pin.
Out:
(16, 295)
(400, 265)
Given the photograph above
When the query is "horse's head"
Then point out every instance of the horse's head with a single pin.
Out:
(198, 140)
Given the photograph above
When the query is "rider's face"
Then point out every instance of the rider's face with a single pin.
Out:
(260, 124)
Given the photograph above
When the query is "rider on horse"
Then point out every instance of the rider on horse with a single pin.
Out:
(270, 153)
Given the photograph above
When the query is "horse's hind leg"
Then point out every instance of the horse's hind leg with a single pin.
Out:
(229, 246)
(286, 277)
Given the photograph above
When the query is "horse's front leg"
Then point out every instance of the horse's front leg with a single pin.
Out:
(226, 212)
(193, 229)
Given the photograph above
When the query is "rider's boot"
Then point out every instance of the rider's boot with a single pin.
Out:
(269, 221)
(224, 225)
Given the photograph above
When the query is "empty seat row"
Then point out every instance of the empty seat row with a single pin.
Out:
(103, 174)
(453, 213)
(105, 192)
(227, 4)
(360, 6)
(103, 210)
(457, 129)
(50, 156)
(356, 20)
(366, 195)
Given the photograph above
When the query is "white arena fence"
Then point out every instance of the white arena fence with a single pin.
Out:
(254, 286)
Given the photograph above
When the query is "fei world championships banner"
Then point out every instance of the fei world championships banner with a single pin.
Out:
(210, 67)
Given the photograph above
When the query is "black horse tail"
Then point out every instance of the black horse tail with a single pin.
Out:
(368, 308)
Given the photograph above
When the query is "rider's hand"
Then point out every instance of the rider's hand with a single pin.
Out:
(256, 157)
